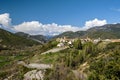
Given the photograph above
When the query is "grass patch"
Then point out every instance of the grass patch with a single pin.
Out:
(47, 58)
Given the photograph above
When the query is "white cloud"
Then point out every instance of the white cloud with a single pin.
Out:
(5, 20)
(93, 23)
(35, 27)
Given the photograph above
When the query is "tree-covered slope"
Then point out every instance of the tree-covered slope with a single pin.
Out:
(70, 34)
(107, 31)
(8, 39)
(38, 38)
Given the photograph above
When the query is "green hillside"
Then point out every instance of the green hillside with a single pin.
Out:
(83, 62)
(38, 38)
(70, 34)
(86, 61)
(10, 40)
(109, 31)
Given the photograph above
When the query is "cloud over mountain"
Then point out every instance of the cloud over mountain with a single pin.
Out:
(35, 27)
(95, 22)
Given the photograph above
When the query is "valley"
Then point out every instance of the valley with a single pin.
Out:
(60, 58)
(59, 39)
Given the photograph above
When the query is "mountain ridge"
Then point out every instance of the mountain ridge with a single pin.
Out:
(39, 38)
(106, 31)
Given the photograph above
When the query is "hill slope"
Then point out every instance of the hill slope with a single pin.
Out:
(38, 38)
(91, 62)
(9, 39)
(104, 32)
(70, 34)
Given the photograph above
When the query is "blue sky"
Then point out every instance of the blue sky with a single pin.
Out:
(61, 12)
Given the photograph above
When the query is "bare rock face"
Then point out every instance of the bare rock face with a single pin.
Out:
(37, 73)
(34, 74)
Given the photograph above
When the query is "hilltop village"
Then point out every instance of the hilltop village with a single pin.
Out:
(64, 41)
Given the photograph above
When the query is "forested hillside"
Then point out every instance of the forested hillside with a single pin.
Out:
(109, 31)
(10, 40)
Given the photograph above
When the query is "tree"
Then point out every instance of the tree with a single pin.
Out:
(90, 48)
(78, 44)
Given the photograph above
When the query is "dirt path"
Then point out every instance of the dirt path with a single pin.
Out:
(54, 50)
(39, 66)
